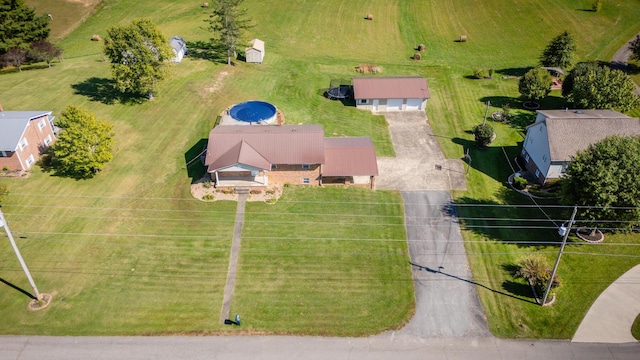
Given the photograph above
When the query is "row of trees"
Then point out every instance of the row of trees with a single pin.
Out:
(588, 85)
(24, 35)
(139, 53)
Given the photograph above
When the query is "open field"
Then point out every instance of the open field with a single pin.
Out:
(298, 273)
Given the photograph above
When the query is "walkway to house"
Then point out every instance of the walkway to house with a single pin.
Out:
(611, 316)
(233, 258)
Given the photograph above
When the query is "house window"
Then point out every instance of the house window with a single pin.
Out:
(305, 166)
(527, 158)
(23, 143)
(522, 151)
(306, 181)
(30, 160)
(3, 154)
(544, 157)
(274, 166)
(41, 124)
(363, 101)
(47, 140)
(537, 172)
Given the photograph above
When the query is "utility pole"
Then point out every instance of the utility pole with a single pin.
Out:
(565, 235)
(3, 223)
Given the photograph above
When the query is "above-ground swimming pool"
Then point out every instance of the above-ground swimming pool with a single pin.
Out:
(253, 112)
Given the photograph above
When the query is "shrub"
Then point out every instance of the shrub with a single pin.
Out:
(520, 182)
(483, 134)
(255, 192)
(206, 184)
(596, 6)
(5, 168)
(208, 197)
(479, 73)
(536, 271)
(506, 112)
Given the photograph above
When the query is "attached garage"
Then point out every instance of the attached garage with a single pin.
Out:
(414, 104)
(394, 104)
(401, 93)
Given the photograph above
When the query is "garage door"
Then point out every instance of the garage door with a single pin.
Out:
(394, 104)
(414, 104)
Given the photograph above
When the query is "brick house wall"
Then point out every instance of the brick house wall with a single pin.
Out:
(294, 174)
(38, 135)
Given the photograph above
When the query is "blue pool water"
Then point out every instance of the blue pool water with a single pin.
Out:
(253, 111)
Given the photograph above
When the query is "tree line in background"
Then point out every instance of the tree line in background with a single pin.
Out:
(24, 36)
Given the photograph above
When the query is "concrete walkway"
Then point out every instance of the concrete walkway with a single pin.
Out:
(610, 317)
(233, 258)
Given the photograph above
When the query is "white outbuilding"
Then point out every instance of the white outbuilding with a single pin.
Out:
(255, 51)
(179, 47)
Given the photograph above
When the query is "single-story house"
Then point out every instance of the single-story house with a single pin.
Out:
(24, 135)
(254, 53)
(556, 135)
(288, 154)
(179, 47)
(397, 93)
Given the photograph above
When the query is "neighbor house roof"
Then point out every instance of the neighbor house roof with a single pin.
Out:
(256, 44)
(569, 135)
(260, 146)
(352, 156)
(177, 43)
(399, 87)
(12, 126)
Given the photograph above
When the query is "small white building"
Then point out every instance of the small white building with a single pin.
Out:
(391, 93)
(179, 47)
(255, 51)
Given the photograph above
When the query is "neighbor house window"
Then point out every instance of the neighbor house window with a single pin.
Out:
(274, 166)
(305, 166)
(306, 181)
(364, 101)
(41, 124)
(30, 160)
(47, 140)
(523, 151)
(527, 158)
(544, 158)
(537, 172)
(3, 154)
(23, 144)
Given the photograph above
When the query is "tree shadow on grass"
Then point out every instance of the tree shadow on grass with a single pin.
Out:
(489, 160)
(193, 159)
(25, 292)
(103, 90)
(514, 72)
(212, 51)
(434, 271)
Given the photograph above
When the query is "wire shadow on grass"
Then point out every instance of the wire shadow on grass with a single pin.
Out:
(420, 267)
(103, 90)
(17, 288)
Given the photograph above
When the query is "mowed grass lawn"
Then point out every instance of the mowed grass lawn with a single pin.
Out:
(298, 273)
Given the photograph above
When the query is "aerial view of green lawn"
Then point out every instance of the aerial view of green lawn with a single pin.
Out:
(132, 252)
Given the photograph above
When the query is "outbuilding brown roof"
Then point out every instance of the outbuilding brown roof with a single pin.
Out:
(260, 146)
(395, 87)
(353, 156)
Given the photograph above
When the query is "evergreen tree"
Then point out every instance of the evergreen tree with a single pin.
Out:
(559, 52)
(20, 26)
(634, 46)
(228, 21)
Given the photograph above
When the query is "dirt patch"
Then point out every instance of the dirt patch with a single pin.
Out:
(203, 190)
(217, 83)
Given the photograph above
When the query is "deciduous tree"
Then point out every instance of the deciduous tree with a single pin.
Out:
(227, 21)
(604, 177)
(560, 51)
(634, 46)
(591, 86)
(14, 57)
(44, 51)
(535, 84)
(84, 145)
(20, 26)
(138, 53)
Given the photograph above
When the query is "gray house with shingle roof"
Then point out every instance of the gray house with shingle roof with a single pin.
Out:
(557, 135)
(288, 154)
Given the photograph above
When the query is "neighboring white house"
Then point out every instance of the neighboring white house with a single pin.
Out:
(255, 52)
(556, 135)
(179, 47)
(400, 93)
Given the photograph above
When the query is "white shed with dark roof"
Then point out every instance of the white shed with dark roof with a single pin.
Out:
(179, 47)
(391, 93)
(557, 135)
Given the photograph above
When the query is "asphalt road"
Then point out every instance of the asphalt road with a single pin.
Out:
(301, 348)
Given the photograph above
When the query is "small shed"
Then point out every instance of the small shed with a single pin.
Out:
(255, 51)
(179, 47)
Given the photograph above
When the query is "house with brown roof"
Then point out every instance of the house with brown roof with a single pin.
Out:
(557, 135)
(288, 154)
(397, 93)
(24, 135)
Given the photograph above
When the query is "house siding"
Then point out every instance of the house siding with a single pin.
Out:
(11, 161)
(382, 105)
